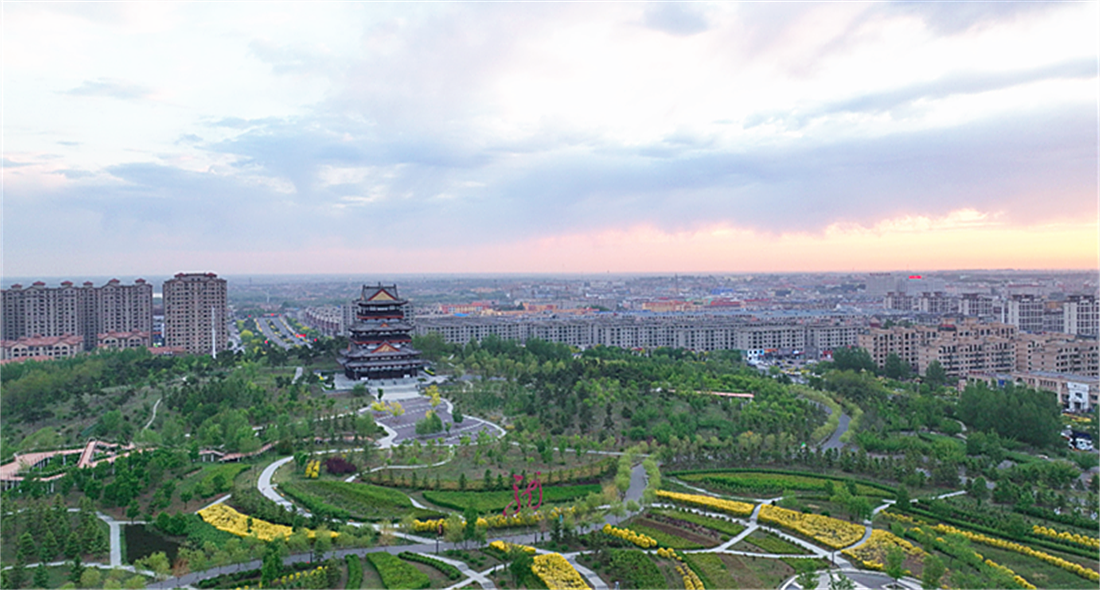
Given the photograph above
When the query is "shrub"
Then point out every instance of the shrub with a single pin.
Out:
(396, 574)
(448, 570)
(339, 465)
(636, 569)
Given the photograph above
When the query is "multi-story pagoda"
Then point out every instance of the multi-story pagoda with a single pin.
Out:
(380, 346)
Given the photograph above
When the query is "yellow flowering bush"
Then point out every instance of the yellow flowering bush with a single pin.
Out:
(900, 517)
(224, 518)
(313, 469)
(643, 541)
(667, 553)
(691, 579)
(727, 506)
(829, 531)
(497, 521)
(557, 573)
(1069, 566)
(1083, 540)
(872, 553)
(507, 547)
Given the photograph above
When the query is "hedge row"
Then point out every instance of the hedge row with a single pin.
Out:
(845, 480)
(448, 570)
(397, 574)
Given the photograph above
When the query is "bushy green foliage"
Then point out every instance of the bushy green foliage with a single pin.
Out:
(636, 569)
(1014, 412)
(448, 570)
(397, 574)
(359, 500)
(355, 572)
(773, 544)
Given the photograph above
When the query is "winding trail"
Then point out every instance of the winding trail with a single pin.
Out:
(154, 416)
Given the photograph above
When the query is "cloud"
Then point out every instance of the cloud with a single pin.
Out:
(675, 18)
(110, 88)
(953, 18)
(958, 83)
(13, 164)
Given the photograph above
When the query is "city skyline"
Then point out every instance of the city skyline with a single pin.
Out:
(548, 139)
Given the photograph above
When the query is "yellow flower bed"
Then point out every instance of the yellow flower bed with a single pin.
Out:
(224, 518)
(829, 531)
(643, 541)
(691, 579)
(1083, 540)
(727, 506)
(872, 553)
(1069, 566)
(496, 521)
(507, 547)
(557, 573)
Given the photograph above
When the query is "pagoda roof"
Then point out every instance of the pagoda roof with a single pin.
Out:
(381, 294)
(381, 325)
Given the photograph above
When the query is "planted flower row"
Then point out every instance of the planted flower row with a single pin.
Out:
(496, 521)
(1083, 540)
(727, 506)
(506, 547)
(557, 573)
(968, 555)
(690, 578)
(1069, 566)
(828, 531)
(639, 539)
(224, 518)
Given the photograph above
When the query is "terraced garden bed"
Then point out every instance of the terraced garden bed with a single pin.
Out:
(671, 535)
(770, 483)
(770, 543)
(728, 528)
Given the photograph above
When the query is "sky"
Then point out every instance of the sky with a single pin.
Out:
(454, 137)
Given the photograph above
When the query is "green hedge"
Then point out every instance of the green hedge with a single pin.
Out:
(664, 539)
(355, 572)
(773, 544)
(496, 501)
(448, 570)
(886, 491)
(313, 503)
(1030, 539)
(397, 574)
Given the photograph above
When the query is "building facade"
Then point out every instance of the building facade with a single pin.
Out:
(1081, 315)
(41, 347)
(195, 313)
(86, 311)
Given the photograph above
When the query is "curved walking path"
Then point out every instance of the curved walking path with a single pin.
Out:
(154, 416)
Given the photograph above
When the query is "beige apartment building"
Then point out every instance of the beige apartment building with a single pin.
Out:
(1057, 353)
(87, 311)
(195, 313)
(41, 347)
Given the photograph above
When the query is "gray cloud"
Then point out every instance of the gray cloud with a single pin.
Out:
(110, 88)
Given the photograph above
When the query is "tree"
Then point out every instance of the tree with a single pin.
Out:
(807, 574)
(41, 576)
(76, 570)
(272, 565)
(520, 565)
(902, 499)
(978, 490)
(934, 375)
(840, 582)
(359, 390)
(895, 368)
(895, 563)
(470, 530)
(933, 571)
(90, 578)
(156, 563)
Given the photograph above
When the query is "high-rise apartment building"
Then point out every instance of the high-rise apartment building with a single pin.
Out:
(87, 311)
(1081, 315)
(195, 313)
(1026, 312)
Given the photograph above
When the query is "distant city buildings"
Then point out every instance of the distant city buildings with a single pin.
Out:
(195, 313)
(972, 346)
(45, 321)
(701, 332)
